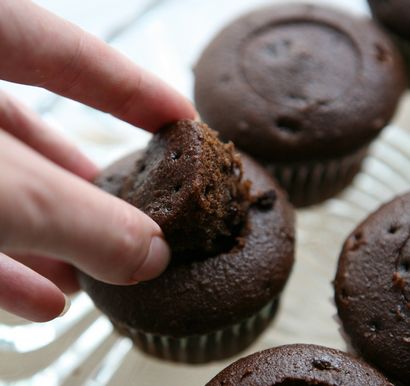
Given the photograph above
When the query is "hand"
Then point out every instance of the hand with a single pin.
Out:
(51, 218)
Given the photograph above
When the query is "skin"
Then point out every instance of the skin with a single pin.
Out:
(52, 219)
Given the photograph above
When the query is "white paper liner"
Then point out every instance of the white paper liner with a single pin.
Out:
(204, 348)
(311, 182)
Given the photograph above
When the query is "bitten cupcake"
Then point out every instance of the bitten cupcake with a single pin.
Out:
(395, 17)
(232, 236)
(299, 365)
(373, 289)
(304, 90)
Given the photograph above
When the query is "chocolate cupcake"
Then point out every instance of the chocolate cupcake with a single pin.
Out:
(372, 289)
(232, 253)
(299, 365)
(307, 89)
(394, 15)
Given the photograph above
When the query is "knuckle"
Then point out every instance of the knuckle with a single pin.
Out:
(38, 210)
(130, 243)
(70, 72)
(130, 98)
(28, 226)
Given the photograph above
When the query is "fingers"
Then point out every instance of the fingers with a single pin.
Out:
(59, 56)
(30, 129)
(25, 293)
(62, 216)
(63, 275)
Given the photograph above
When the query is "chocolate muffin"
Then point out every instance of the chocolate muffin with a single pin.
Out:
(299, 365)
(215, 297)
(307, 89)
(394, 15)
(372, 289)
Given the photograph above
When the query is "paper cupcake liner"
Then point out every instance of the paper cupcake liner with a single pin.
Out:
(309, 183)
(404, 47)
(204, 348)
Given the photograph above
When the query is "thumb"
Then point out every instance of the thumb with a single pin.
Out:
(48, 211)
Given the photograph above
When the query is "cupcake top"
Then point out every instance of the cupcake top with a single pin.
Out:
(299, 365)
(373, 288)
(188, 176)
(299, 82)
(394, 14)
(204, 293)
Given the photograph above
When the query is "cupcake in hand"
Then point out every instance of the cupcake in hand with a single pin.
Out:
(231, 233)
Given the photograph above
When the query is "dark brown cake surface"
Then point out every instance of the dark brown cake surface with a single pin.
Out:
(373, 288)
(207, 293)
(190, 183)
(299, 82)
(299, 365)
(394, 14)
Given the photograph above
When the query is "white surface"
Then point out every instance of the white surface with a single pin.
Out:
(80, 348)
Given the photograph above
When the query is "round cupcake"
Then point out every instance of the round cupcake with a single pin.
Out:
(372, 289)
(395, 16)
(299, 365)
(232, 253)
(307, 89)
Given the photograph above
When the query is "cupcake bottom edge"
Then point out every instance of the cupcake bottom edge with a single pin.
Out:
(200, 349)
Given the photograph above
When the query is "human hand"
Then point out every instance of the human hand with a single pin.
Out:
(51, 218)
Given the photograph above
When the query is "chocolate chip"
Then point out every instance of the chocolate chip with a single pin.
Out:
(176, 155)
(393, 228)
(323, 364)
(288, 125)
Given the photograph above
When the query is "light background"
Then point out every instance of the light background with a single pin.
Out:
(166, 36)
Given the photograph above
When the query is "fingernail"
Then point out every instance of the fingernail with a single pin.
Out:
(197, 117)
(156, 261)
(66, 306)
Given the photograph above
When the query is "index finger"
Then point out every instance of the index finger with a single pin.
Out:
(45, 50)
